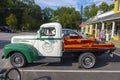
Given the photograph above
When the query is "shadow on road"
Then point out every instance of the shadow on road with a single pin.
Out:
(106, 59)
(43, 78)
(100, 62)
(65, 62)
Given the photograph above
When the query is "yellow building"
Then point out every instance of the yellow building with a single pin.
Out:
(100, 23)
(116, 6)
(117, 10)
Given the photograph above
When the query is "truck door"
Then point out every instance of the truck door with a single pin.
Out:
(50, 41)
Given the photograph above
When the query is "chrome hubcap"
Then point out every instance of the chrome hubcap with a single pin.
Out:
(18, 60)
(88, 61)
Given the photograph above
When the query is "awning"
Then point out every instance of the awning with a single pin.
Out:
(108, 18)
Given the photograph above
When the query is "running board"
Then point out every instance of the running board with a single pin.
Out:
(48, 59)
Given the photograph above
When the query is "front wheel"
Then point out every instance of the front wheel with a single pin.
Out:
(17, 60)
(87, 60)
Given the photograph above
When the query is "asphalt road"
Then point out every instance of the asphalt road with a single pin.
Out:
(106, 68)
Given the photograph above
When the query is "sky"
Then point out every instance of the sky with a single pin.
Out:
(54, 4)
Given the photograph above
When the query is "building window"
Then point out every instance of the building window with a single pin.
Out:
(118, 4)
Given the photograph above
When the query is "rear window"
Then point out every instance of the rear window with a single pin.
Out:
(48, 31)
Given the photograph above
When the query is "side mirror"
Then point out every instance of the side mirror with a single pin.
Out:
(40, 33)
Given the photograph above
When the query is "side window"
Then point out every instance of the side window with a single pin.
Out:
(50, 31)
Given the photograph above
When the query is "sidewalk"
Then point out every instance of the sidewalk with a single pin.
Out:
(117, 43)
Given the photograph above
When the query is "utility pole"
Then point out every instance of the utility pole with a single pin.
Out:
(81, 12)
(82, 21)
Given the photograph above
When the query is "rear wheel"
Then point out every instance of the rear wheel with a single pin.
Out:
(18, 60)
(87, 60)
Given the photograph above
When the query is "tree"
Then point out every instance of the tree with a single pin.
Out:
(35, 12)
(17, 7)
(47, 15)
(11, 21)
(68, 17)
(87, 11)
(29, 2)
(3, 11)
(93, 10)
(90, 11)
(28, 23)
(104, 7)
(111, 6)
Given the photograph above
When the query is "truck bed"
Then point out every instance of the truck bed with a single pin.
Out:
(70, 44)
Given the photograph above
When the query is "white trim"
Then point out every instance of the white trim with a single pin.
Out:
(116, 53)
(74, 71)
(109, 19)
(106, 13)
(103, 25)
(95, 30)
(113, 28)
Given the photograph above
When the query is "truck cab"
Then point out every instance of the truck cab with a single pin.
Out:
(46, 46)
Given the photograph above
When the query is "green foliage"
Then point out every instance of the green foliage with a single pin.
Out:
(68, 17)
(104, 7)
(28, 22)
(87, 11)
(18, 8)
(91, 10)
(11, 21)
(47, 15)
(111, 6)
(30, 16)
(26, 15)
(3, 11)
(94, 10)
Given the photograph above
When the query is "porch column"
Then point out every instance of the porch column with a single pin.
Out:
(91, 26)
(103, 24)
(86, 29)
(95, 30)
(113, 29)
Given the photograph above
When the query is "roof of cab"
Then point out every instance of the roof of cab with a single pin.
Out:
(55, 24)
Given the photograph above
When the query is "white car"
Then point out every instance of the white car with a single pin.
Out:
(72, 33)
(68, 31)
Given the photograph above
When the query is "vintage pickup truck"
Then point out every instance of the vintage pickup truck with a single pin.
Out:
(48, 46)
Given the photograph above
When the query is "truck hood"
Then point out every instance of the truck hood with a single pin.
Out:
(23, 38)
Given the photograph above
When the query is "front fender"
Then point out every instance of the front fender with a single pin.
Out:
(27, 50)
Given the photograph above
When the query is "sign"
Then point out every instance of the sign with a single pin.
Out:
(82, 24)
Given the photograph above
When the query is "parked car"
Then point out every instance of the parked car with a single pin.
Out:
(6, 29)
(71, 33)
(68, 31)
